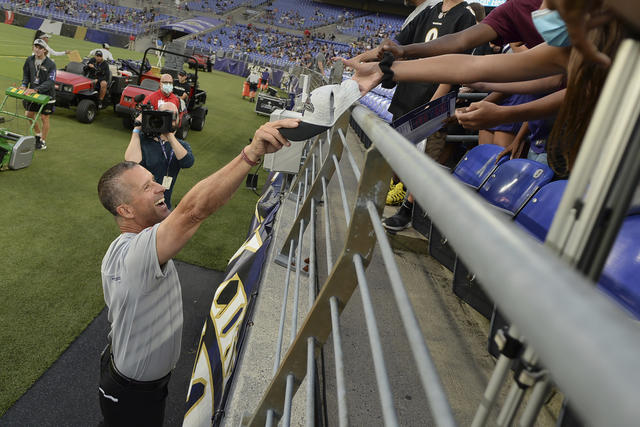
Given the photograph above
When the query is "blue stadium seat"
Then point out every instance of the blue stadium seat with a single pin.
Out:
(536, 216)
(477, 164)
(621, 275)
(513, 183)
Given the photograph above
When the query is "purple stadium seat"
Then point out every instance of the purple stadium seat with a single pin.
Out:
(513, 183)
(621, 275)
(536, 216)
(477, 164)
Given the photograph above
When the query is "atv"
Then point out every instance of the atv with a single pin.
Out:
(75, 89)
(193, 116)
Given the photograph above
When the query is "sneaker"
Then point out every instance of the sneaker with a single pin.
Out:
(41, 144)
(396, 195)
(100, 106)
(402, 218)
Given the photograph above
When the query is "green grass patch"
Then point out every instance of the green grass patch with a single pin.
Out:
(55, 232)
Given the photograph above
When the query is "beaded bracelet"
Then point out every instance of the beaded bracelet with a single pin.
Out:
(385, 67)
(248, 160)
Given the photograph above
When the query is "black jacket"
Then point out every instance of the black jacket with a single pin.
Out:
(42, 78)
(100, 72)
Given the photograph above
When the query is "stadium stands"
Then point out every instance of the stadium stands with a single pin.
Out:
(112, 18)
(305, 14)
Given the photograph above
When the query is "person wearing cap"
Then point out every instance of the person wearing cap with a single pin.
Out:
(162, 155)
(182, 88)
(38, 76)
(253, 79)
(164, 94)
(106, 53)
(98, 70)
(141, 286)
(45, 37)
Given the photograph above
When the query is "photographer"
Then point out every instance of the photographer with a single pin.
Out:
(163, 155)
(98, 69)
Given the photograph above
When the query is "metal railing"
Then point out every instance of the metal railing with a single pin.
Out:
(586, 343)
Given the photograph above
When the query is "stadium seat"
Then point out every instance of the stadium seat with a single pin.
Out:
(75, 67)
(476, 166)
(150, 84)
(513, 183)
(621, 275)
(536, 216)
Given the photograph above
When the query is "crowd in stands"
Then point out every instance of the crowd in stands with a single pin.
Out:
(300, 15)
(372, 26)
(269, 43)
(107, 16)
(218, 6)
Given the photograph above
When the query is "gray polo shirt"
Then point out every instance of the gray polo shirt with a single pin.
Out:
(145, 306)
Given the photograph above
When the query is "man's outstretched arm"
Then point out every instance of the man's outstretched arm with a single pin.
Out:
(214, 191)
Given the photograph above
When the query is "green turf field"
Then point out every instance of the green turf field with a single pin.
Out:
(55, 232)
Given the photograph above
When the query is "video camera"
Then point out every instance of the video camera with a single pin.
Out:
(154, 122)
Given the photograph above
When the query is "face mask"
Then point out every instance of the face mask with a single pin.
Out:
(167, 88)
(551, 27)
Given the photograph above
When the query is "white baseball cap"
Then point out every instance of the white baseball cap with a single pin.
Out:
(42, 43)
(322, 109)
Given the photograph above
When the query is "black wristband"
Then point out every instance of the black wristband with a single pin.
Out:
(385, 67)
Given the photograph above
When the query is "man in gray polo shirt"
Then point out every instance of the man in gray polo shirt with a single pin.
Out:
(140, 282)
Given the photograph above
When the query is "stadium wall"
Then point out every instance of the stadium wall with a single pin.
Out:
(67, 30)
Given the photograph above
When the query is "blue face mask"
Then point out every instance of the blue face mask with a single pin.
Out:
(167, 88)
(551, 27)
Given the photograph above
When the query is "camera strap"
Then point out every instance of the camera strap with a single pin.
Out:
(168, 159)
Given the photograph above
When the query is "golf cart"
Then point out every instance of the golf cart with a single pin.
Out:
(75, 89)
(193, 116)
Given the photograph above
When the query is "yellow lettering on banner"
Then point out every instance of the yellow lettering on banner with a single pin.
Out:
(203, 407)
(222, 316)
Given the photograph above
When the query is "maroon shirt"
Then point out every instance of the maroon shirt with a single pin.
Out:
(512, 21)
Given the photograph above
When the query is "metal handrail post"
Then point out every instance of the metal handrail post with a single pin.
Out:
(326, 171)
(341, 283)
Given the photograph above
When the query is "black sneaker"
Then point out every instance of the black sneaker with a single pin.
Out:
(40, 143)
(402, 218)
(43, 145)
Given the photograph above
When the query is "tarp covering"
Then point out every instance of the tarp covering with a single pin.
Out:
(193, 25)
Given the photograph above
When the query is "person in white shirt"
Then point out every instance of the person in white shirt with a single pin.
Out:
(106, 53)
(45, 37)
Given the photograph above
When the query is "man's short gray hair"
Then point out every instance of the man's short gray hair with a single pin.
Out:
(111, 191)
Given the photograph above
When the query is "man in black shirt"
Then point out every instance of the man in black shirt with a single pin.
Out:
(182, 88)
(38, 76)
(446, 17)
(98, 69)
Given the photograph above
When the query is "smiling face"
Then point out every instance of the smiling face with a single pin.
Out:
(146, 206)
(39, 51)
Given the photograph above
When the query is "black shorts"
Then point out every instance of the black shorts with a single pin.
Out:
(48, 109)
(253, 87)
